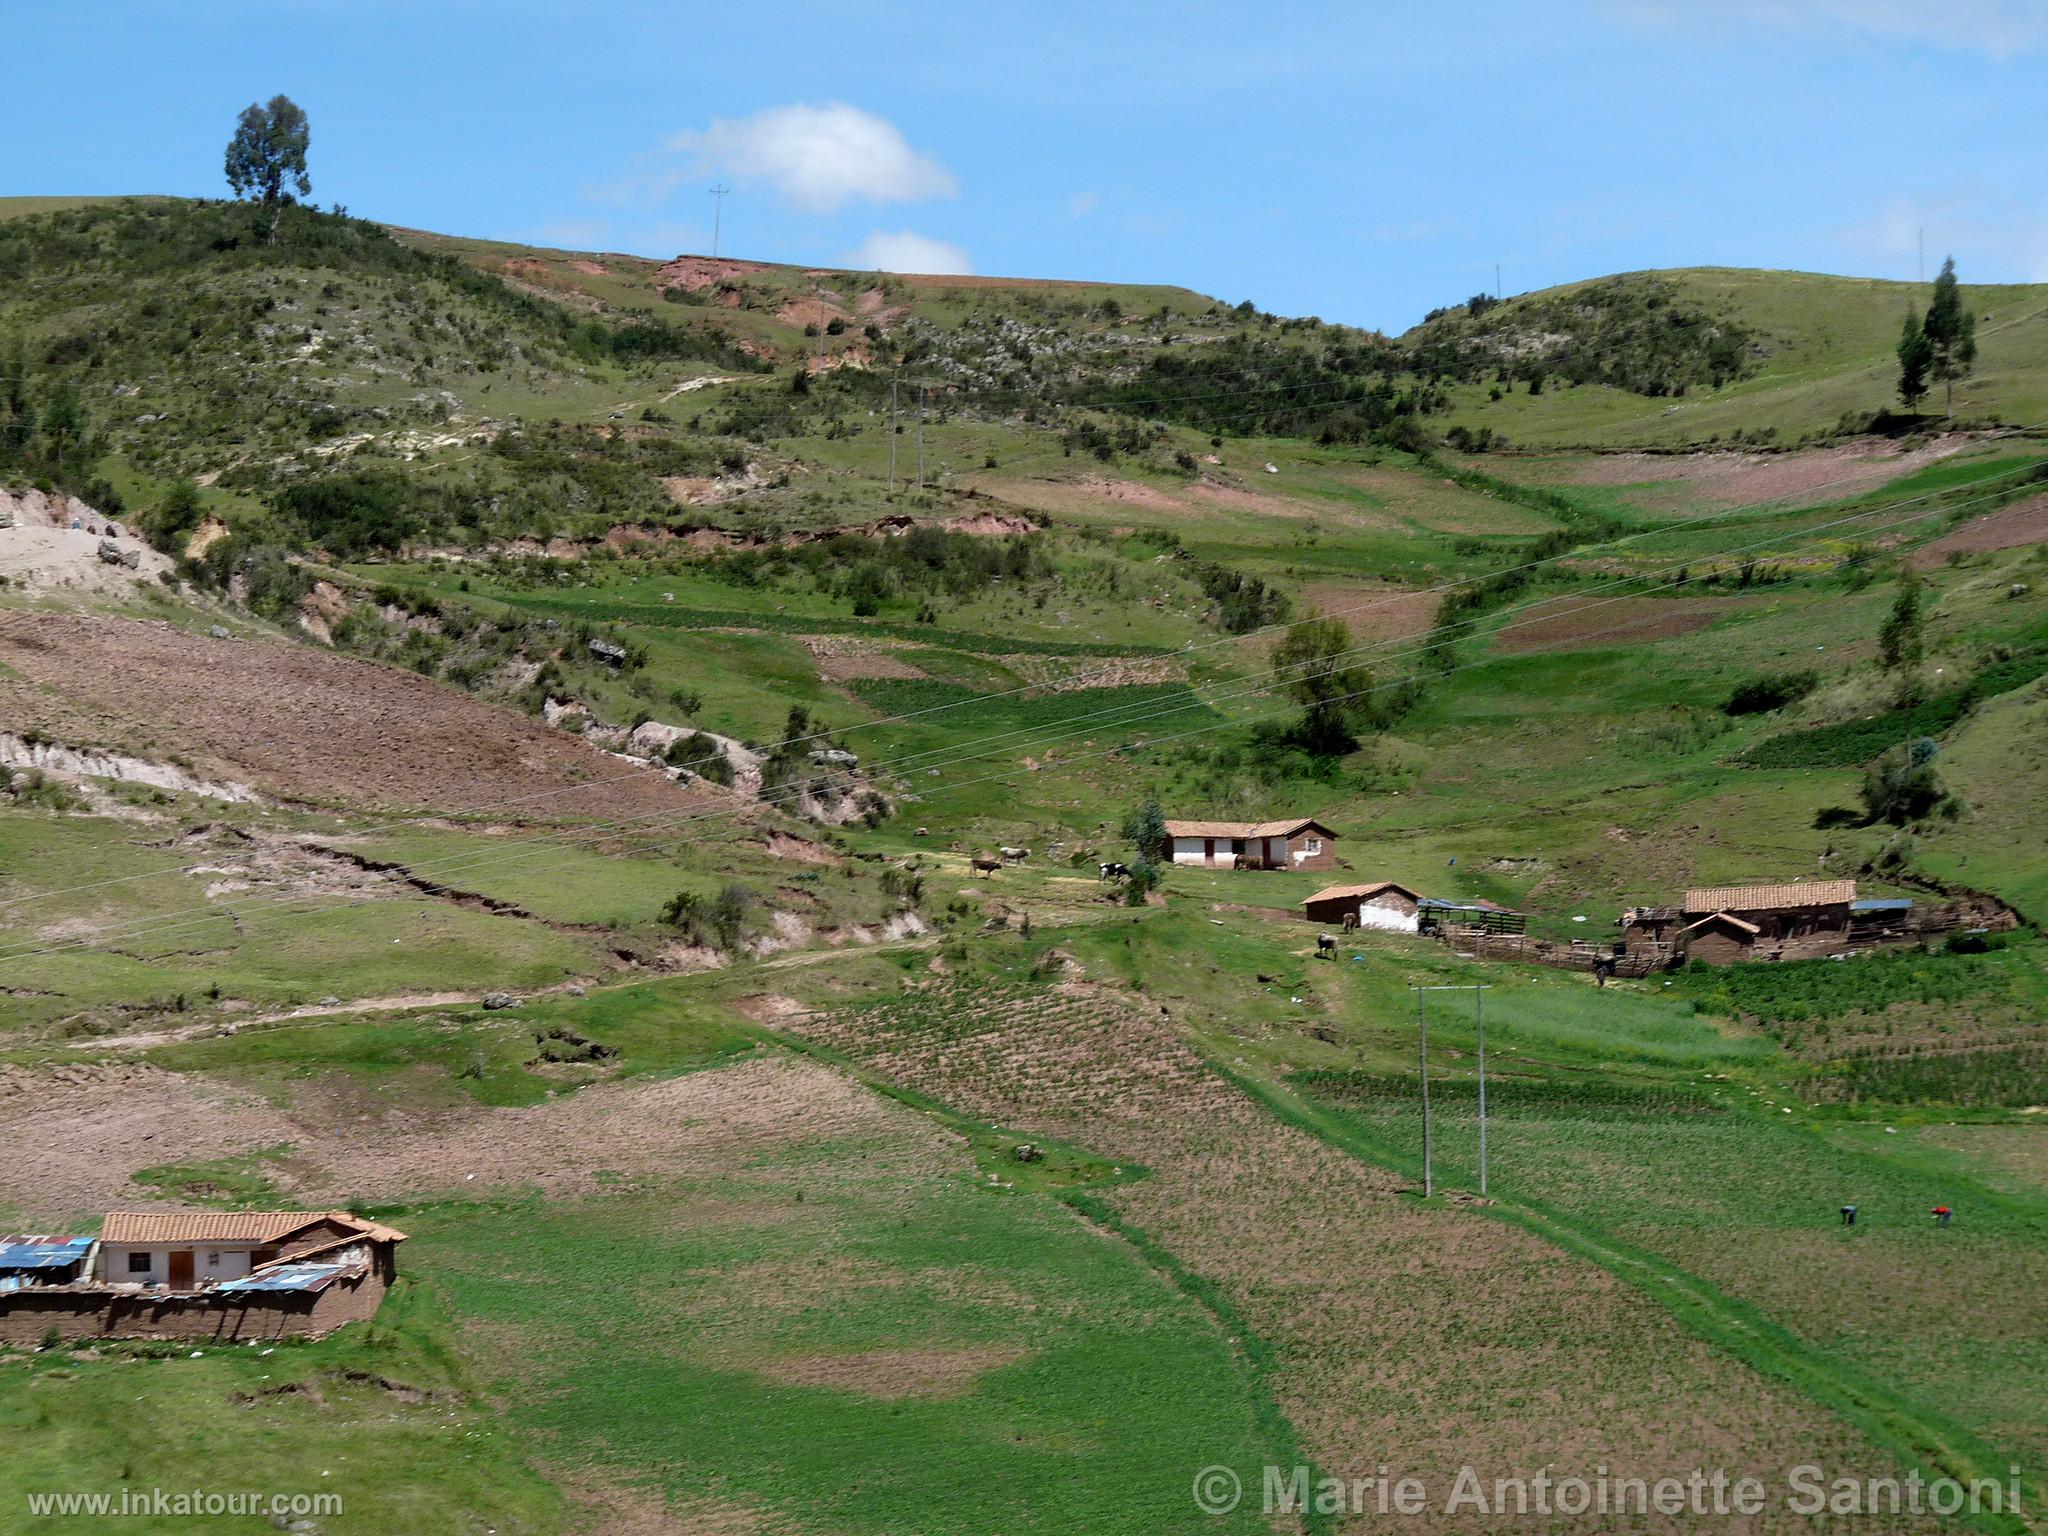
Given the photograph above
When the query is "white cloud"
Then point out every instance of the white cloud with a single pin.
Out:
(2000, 28)
(818, 158)
(907, 251)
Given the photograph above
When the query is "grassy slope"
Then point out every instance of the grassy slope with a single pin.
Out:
(1830, 344)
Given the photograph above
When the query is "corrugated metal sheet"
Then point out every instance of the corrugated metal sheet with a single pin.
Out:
(1882, 904)
(42, 1252)
(1769, 898)
(291, 1277)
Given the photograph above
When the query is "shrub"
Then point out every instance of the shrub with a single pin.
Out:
(1769, 691)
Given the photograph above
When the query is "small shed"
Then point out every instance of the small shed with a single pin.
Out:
(1381, 904)
(1721, 938)
(31, 1259)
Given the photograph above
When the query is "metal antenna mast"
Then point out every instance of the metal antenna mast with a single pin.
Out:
(718, 196)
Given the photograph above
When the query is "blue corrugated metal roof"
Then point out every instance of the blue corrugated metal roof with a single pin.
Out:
(289, 1277)
(42, 1252)
(1882, 904)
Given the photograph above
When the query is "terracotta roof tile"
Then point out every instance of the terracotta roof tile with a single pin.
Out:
(226, 1226)
(1345, 892)
(1767, 898)
(1242, 828)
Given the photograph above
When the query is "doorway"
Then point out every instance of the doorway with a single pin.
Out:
(181, 1269)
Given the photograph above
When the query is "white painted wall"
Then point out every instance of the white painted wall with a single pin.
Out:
(210, 1266)
(1387, 919)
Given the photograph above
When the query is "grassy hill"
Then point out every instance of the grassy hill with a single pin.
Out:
(856, 1161)
(1810, 354)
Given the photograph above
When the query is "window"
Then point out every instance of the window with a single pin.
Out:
(1314, 847)
(213, 1261)
(139, 1263)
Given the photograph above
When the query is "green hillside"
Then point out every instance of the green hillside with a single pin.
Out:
(461, 827)
(1811, 356)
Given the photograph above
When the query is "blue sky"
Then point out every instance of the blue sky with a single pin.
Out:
(1363, 161)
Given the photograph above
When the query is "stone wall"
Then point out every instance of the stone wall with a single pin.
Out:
(28, 1316)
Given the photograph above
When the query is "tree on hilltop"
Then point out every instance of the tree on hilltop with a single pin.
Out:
(1951, 333)
(266, 158)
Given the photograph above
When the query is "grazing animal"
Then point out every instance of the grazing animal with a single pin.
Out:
(1015, 855)
(923, 832)
(987, 866)
(1114, 872)
(1326, 944)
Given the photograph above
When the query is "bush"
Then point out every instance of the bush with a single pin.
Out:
(1902, 785)
(717, 922)
(1769, 691)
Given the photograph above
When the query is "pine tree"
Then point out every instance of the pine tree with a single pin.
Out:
(1899, 638)
(1916, 356)
(1951, 332)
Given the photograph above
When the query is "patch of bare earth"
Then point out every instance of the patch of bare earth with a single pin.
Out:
(308, 724)
(1374, 613)
(77, 1133)
(2013, 527)
(1564, 623)
(74, 1134)
(1738, 479)
(1427, 1338)
(847, 658)
(889, 1374)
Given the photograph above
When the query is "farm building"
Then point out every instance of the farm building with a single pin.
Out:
(1381, 904)
(198, 1274)
(42, 1260)
(1780, 921)
(1299, 844)
(1720, 938)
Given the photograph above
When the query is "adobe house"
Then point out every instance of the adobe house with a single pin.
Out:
(1785, 922)
(1303, 843)
(1383, 904)
(201, 1274)
(1720, 938)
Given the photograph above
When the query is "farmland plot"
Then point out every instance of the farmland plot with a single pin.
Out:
(1726, 1184)
(1402, 1335)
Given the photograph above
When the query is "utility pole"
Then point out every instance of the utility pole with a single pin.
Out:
(892, 437)
(1479, 1020)
(1422, 1033)
(920, 436)
(718, 195)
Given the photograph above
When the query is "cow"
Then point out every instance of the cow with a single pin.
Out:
(1014, 855)
(987, 866)
(1114, 872)
(1326, 946)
